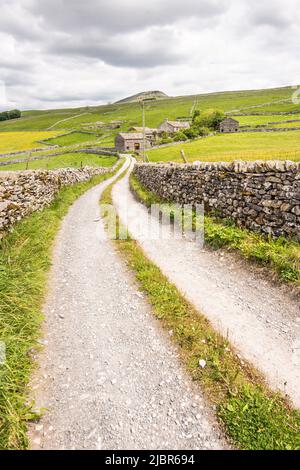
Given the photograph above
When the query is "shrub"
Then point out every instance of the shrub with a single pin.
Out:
(191, 133)
(210, 118)
(7, 115)
(180, 136)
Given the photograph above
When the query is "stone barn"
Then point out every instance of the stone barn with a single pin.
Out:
(229, 125)
(151, 134)
(173, 126)
(130, 141)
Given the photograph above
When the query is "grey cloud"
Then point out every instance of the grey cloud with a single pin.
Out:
(12, 79)
(155, 49)
(19, 22)
(120, 57)
(269, 18)
(117, 15)
(275, 14)
(102, 29)
(67, 51)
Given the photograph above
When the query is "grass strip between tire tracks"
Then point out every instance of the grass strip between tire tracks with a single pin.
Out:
(253, 417)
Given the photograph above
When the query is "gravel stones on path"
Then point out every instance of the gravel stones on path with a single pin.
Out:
(260, 319)
(109, 377)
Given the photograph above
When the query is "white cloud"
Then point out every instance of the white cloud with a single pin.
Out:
(72, 53)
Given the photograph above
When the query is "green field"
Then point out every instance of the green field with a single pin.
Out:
(243, 146)
(72, 139)
(287, 124)
(68, 160)
(17, 141)
(265, 120)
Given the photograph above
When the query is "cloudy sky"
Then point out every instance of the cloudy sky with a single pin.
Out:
(58, 53)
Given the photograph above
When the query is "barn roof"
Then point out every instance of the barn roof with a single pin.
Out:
(131, 135)
(178, 123)
(230, 119)
(148, 130)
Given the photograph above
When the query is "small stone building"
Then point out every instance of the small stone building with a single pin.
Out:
(130, 141)
(151, 134)
(173, 126)
(229, 125)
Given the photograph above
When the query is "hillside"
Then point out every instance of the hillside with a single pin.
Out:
(101, 124)
(145, 95)
(270, 101)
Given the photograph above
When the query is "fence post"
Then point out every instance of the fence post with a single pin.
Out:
(27, 161)
(183, 156)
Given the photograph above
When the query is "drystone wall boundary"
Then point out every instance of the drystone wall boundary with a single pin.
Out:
(263, 196)
(22, 193)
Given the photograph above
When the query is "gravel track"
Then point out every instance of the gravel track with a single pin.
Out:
(261, 319)
(109, 376)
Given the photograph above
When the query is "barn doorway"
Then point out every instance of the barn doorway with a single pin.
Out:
(137, 146)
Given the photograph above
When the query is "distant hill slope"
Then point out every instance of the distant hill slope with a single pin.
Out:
(270, 101)
(157, 95)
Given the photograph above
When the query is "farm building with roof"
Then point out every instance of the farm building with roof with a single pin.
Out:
(173, 126)
(130, 141)
(229, 125)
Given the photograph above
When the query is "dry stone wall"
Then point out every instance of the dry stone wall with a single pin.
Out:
(261, 196)
(22, 193)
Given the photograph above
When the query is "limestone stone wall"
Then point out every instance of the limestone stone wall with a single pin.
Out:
(262, 196)
(22, 193)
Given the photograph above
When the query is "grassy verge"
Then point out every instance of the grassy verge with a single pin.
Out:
(280, 255)
(252, 416)
(25, 259)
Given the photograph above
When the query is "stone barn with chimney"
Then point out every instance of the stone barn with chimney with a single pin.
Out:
(229, 125)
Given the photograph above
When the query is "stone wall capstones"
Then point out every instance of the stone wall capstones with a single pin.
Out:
(263, 196)
(22, 193)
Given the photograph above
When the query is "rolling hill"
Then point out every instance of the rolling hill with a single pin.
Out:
(145, 95)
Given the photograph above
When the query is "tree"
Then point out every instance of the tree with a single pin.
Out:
(13, 114)
(210, 119)
(180, 136)
(196, 115)
(4, 116)
(191, 133)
